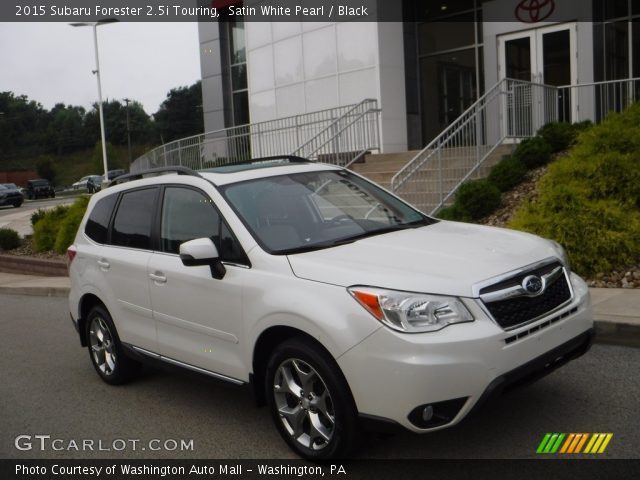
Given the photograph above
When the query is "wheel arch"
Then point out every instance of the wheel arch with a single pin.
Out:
(265, 344)
(87, 302)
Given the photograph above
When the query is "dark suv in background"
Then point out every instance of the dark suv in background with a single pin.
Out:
(39, 188)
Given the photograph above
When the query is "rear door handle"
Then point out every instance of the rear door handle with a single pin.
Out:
(103, 264)
(158, 277)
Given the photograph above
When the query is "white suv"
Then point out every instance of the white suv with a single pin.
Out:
(335, 300)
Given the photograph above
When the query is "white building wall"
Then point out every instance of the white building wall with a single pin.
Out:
(300, 67)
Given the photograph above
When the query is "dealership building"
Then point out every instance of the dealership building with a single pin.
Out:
(423, 74)
(438, 95)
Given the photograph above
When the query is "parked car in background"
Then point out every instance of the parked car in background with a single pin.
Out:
(39, 188)
(94, 183)
(112, 174)
(82, 183)
(10, 195)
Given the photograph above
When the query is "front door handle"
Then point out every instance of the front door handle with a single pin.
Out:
(103, 264)
(158, 277)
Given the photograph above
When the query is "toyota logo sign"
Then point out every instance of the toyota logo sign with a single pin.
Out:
(533, 11)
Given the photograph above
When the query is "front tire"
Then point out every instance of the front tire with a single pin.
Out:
(105, 349)
(310, 401)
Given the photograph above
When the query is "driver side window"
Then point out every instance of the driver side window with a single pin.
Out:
(188, 214)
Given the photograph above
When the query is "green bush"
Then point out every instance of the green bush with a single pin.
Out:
(477, 198)
(37, 215)
(46, 229)
(454, 213)
(559, 135)
(508, 173)
(589, 201)
(9, 239)
(57, 228)
(533, 152)
(69, 225)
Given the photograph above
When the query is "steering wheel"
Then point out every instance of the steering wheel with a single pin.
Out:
(340, 218)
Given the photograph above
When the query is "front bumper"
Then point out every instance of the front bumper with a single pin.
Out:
(392, 374)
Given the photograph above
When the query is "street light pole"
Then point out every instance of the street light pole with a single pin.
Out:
(126, 101)
(102, 134)
(97, 73)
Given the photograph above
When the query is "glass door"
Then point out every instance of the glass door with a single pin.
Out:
(544, 57)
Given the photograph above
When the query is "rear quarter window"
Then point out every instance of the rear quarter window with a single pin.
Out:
(98, 223)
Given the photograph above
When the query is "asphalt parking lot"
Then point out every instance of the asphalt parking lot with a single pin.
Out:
(48, 387)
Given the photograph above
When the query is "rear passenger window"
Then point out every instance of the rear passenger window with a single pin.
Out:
(132, 224)
(98, 222)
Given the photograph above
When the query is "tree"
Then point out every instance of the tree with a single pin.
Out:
(180, 115)
(45, 169)
(65, 131)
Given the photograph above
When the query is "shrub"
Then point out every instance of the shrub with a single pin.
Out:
(69, 225)
(46, 229)
(559, 135)
(454, 213)
(477, 198)
(508, 173)
(9, 239)
(533, 152)
(589, 201)
(37, 215)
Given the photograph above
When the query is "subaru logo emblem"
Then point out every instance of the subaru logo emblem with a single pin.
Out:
(533, 285)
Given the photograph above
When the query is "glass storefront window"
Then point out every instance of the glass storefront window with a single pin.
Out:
(236, 38)
(448, 88)
(446, 35)
(236, 96)
(616, 50)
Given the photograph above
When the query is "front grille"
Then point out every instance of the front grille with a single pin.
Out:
(520, 310)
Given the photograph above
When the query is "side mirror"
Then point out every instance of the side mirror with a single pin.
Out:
(202, 251)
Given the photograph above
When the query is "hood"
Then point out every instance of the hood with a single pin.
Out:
(444, 258)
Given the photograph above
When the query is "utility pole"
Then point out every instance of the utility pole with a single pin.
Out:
(126, 101)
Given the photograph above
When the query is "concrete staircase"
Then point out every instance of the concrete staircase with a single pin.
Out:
(433, 179)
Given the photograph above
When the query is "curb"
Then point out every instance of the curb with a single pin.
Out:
(35, 291)
(617, 333)
(32, 266)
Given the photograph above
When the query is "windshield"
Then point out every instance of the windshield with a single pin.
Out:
(308, 211)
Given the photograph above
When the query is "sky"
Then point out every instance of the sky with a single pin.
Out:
(53, 62)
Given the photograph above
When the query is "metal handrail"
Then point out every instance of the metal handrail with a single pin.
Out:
(333, 124)
(520, 108)
(274, 137)
(415, 163)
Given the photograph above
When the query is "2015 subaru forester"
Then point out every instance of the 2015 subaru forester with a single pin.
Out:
(333, 298)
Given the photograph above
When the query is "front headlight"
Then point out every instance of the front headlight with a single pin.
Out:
(411, 312)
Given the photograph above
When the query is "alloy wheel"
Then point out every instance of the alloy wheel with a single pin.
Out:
(304, 404)
(102, 346)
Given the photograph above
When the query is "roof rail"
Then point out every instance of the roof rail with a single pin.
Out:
(290, 158)
(152, 172)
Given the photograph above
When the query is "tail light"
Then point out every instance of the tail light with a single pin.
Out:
(71, 254)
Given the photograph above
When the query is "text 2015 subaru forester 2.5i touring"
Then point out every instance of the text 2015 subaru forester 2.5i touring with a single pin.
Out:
(334, 299)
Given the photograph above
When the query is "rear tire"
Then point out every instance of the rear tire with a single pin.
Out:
(310, 401)
(105, 349)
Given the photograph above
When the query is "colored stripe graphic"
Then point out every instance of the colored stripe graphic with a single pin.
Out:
(573, 443)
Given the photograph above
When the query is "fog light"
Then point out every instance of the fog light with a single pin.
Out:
(436, 414)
